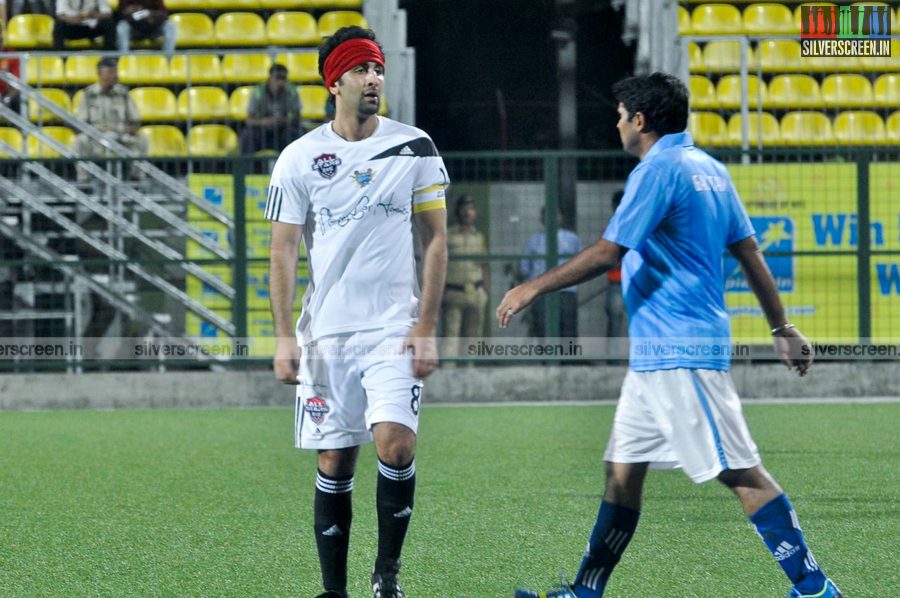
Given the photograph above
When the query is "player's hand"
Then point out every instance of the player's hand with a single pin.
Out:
(514, 301)
(287, 360)
(794, 350)
(424, 350)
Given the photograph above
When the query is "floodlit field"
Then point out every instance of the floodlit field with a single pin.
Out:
(217, 503)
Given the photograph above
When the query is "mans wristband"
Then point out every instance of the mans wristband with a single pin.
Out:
(782, 328)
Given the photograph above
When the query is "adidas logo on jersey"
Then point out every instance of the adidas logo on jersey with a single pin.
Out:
(334, 530)
(403, 514)
(406, 151)
(785, 551)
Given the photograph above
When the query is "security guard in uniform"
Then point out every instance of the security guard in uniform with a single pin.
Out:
(465, 296)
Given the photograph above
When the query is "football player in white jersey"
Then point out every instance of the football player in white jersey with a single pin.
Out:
(352, 189)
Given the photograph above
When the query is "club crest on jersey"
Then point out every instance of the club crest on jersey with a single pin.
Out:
(317, 409)
(326, 165)
(363, 178)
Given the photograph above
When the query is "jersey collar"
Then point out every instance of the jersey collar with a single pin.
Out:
(670, 140)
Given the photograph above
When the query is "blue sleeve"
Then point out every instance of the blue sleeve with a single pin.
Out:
(643, 207)
(525, 265)
(740, 226)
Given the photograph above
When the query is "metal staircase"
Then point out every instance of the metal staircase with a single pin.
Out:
(40, 190)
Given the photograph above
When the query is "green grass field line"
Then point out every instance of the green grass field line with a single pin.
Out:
(218, 503)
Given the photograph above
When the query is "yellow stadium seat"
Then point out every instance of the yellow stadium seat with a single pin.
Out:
(859, 128)
(779, 55)
(144, 68)
(302, 68)
(703, 93)
(248, 5)
(684, 21)
(57, 96)
(11, 137)
(164, 140)
(829, 64)
(76, 100)
(885, 63)
(185, 5)
(37, 149)
(806, 128)
(892, 128)
(708, 128)
(193, 29)
(287, 4)
(771, 133)
(203, 103)
(794, 91)
(728, 90)
(241, 29)
(769, 18)
(335, 19)
(345, 4)
(45, 70)
(240, 100)
(293, 29)
(246, 68)
(212, 140)
(695, 58)
(846, 90)
(196, 68)
(81, 70)
(725, 57)
(886, 92)
(312, 99)
(716, 19)
(25, 32)
(155, 103)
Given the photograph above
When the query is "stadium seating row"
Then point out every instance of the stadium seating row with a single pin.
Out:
(164, 140)
(194, 103)
(798, 91)
(177, 5)
(25, 32)
(781, 55)
(156, 69)
(797, 128)
(757, 19)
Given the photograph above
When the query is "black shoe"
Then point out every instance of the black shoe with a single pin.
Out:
(332, 594)
(385, 583)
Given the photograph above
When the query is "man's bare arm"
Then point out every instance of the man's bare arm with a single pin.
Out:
(283, 252)
(432, 227)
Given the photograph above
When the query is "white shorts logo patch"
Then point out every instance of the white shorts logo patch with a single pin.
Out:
(317, 409)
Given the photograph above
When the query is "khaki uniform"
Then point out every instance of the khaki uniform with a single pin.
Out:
(112, 112)
(465, 296)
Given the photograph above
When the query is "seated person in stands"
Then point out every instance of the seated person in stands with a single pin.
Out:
(8, 95)
(273, 115)
(144, 19)
(80, 19)
(34, 7)
(107, 106)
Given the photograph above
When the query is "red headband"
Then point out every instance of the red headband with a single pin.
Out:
(348, 55)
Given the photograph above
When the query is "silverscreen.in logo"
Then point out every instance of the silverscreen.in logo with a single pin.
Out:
(845, 31)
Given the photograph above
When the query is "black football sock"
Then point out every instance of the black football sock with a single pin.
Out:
(394, 503)
(333, 515)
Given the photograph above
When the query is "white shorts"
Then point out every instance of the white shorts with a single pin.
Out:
(681, 418)
(350, 382)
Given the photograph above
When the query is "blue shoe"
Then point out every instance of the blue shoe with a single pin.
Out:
(828, 591)
(565, 591)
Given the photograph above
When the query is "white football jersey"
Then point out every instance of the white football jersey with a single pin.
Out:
(355, 201)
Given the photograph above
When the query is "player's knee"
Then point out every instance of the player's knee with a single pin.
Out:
(338, 463)
(396, 448)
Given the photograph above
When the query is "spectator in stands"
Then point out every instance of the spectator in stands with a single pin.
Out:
(567, 242)
(273, 115)
(144, 19)
(80, 19)
(33, 7)
(107, 106)
(8, 96)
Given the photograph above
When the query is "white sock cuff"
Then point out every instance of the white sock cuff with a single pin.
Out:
(397, 475)
(332, 486)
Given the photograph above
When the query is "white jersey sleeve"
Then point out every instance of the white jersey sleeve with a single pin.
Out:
(431, 180)
(286, 198)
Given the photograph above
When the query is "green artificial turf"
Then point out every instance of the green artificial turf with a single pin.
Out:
(218, 503)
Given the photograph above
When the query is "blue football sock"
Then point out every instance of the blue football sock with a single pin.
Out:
(612, 532)
(777, 524)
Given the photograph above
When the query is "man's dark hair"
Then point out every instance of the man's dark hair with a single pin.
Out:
(277, 68)
(662, 99)
(339, 37)
(107, 62)
(461, 202)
